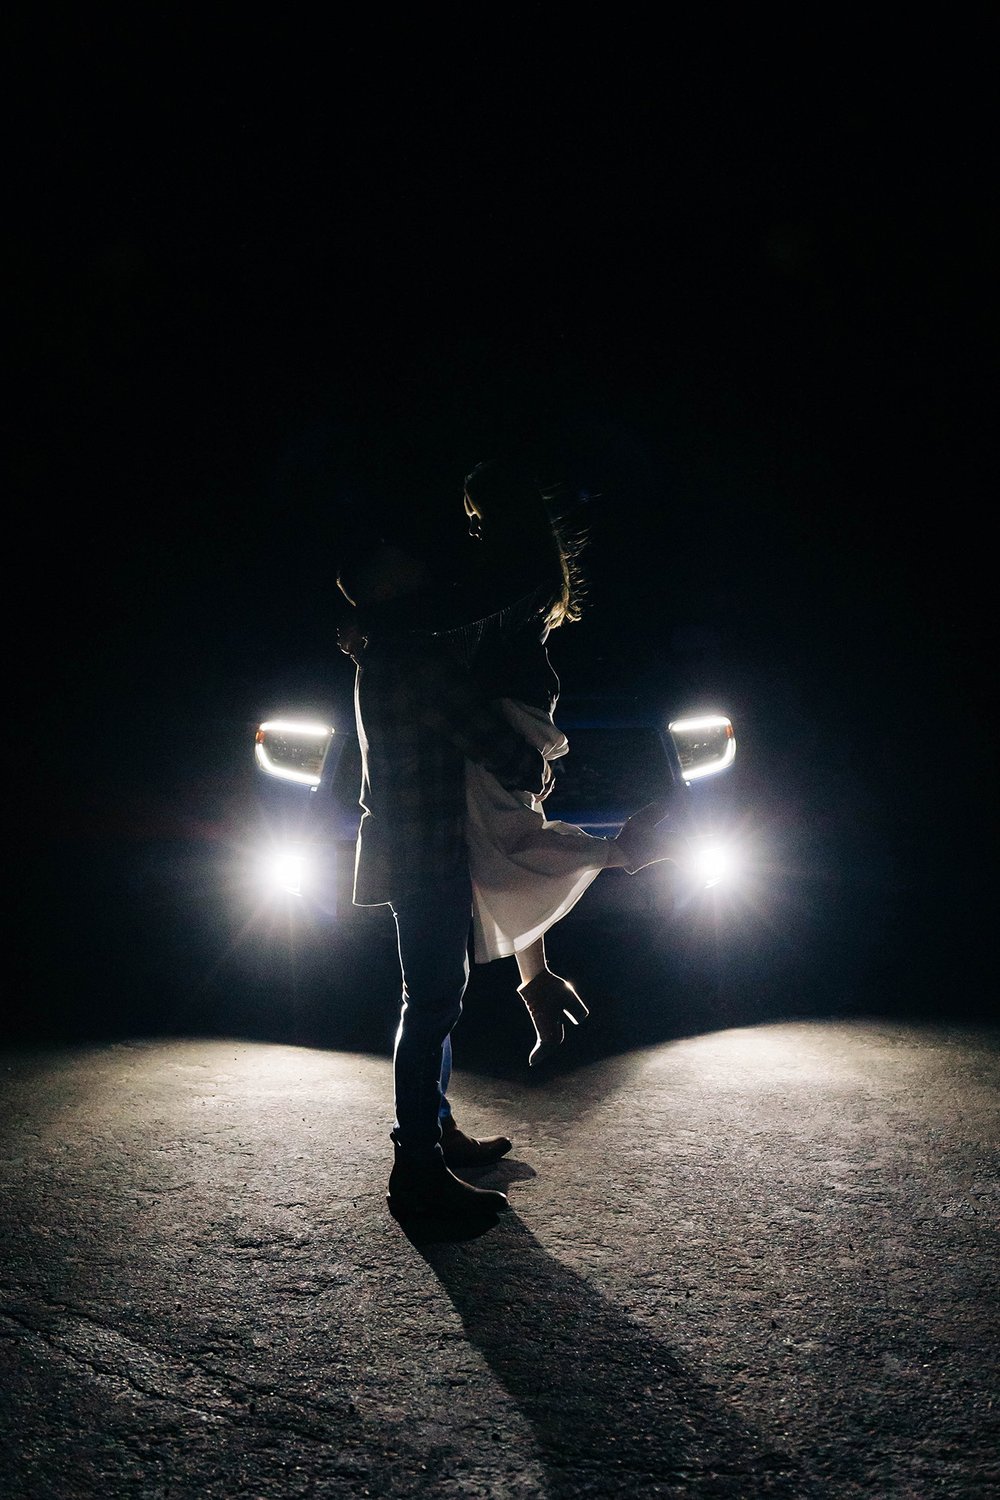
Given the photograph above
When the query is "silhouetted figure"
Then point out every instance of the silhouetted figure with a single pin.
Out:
(454, 697)
(528, 871)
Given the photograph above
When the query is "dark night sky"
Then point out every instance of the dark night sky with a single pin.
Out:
(747, 289)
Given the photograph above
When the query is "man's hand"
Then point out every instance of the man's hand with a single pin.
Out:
(349, 639)
(448, 702)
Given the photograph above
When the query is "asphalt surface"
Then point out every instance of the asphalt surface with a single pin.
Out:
(747, 1262)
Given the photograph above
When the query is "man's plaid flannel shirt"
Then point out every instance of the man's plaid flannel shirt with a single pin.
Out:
(419, 716)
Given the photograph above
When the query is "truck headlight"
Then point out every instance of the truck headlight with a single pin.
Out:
(293, 750)
(704, 745)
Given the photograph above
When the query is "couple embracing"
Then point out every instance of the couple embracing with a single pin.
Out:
(455, 698)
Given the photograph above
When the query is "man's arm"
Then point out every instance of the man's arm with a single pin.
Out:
(449, 703)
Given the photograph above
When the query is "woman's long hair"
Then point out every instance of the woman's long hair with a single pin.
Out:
(512, 490)
(570, 539)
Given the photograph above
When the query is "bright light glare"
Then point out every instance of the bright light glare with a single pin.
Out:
(293, 726)
(713, 862)
(285, 870)
(706, 721)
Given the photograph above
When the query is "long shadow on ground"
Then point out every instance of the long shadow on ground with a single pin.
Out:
(611, 1407)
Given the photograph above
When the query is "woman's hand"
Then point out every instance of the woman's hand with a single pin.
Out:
(548, 783)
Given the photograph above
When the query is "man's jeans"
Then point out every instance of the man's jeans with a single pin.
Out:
(433, 932)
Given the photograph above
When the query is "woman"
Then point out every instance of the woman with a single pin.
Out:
(528, 871)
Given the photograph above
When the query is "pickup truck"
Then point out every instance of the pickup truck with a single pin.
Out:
(619, 759)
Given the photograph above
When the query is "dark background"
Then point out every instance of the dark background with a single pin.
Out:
(743, 283)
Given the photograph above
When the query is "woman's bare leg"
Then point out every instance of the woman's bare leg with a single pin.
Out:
(531, 961)
(550, 1000)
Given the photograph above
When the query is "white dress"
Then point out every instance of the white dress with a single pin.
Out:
(527, 872)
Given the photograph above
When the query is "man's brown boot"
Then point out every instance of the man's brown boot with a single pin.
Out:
(428, 1187)
(461, 1150)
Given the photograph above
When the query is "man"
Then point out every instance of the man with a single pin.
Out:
(419, 717)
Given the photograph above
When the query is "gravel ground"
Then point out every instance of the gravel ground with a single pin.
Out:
(756, 1262)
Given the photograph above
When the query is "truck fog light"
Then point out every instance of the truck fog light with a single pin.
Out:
(285, 870)
(713, 862)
